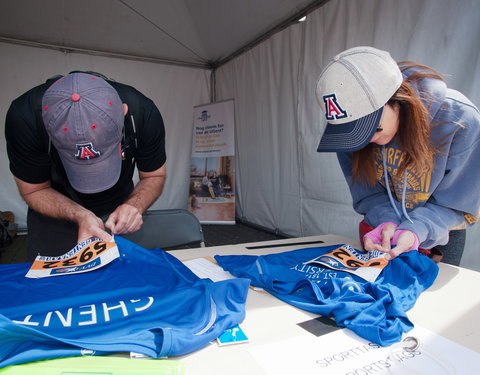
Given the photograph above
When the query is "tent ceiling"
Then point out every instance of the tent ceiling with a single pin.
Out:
(200, 33)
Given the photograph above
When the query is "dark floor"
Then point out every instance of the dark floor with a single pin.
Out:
(215, 235)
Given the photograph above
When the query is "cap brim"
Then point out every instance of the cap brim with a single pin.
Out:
(351, 136)
(94, 177)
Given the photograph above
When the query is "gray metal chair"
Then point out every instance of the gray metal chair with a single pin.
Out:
(168, 229)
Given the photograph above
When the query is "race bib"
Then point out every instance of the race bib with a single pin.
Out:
(85, 256)
(366, 265)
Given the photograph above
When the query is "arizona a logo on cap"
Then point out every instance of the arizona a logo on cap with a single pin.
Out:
(85, 151)
(333, 110)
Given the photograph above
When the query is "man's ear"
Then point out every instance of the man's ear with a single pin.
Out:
(125, 108)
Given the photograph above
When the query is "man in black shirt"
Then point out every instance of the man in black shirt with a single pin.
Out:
(73, 144)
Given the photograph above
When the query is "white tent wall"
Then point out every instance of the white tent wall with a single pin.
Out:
(263, 82)
(282, 182)
(175, 90)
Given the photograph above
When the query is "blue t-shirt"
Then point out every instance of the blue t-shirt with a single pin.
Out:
(146, 302)
(374, 310)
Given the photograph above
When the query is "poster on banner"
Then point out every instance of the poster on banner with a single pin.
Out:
(212, 172)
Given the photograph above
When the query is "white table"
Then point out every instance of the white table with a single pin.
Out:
(450, 308)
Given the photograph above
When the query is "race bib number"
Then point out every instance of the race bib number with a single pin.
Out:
(366, 265)
(85, 256)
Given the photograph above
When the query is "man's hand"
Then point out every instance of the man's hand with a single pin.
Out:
(89, 225)
(125, 219)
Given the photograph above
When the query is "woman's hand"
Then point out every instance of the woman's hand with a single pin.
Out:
(405, 240)
(385, 235)
(380, 238)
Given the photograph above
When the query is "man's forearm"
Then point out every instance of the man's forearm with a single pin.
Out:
(146, 192)
(47, 201)
(50, 202)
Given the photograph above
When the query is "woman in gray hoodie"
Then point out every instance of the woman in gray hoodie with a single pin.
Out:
(409, 148)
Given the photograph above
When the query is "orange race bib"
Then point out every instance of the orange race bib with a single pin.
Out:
(85, 256)
(366, 265)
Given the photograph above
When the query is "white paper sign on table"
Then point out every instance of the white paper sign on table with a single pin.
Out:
(344, 353)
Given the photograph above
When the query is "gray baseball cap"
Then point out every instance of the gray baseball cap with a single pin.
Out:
(353, 89)
(84, 117)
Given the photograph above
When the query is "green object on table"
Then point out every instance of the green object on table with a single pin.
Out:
(106, 365)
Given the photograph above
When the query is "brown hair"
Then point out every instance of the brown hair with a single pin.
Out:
(413, 132)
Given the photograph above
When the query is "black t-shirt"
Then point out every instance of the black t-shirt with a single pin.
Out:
(32, 161)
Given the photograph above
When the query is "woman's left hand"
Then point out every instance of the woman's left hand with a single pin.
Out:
(379, 238)
(405, 240)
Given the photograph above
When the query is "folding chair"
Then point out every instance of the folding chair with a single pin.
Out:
(168, 229)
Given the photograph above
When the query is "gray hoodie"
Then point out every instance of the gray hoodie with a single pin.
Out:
(429, 203)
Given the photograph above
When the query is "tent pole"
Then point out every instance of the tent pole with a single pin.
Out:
(213, 86)
(30, 43)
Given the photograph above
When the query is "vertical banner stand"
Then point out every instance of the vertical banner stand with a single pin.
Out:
(212, 173)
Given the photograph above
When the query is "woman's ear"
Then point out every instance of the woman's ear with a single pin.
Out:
(125, 108)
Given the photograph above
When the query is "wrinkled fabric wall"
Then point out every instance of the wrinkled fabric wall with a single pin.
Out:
(264, 84)
(175, 90)
(283, 183)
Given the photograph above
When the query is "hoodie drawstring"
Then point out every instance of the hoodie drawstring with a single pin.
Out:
(404, 210)
(387, 186)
